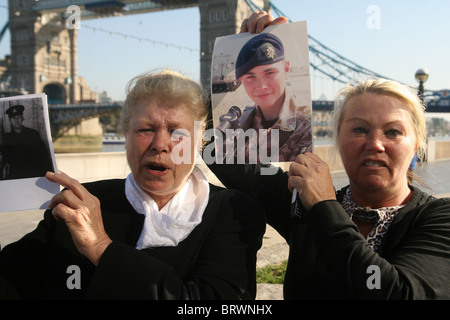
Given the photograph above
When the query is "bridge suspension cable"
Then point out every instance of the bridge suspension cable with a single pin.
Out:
(3, 30)
(141, 39)
(325, 60)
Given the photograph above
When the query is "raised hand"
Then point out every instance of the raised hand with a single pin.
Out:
(81, 212)
(260, 20)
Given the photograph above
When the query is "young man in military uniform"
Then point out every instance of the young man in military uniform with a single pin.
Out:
(262, 69)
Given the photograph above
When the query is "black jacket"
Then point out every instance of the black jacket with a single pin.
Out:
(216, 261)
(330, 259)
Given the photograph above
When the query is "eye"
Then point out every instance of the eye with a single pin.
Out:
(145, 130)
(271, 73)
(248, 78)
(359, 130)
(393, 133)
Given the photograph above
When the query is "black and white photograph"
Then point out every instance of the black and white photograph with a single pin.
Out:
(261, 95)
(26, 153)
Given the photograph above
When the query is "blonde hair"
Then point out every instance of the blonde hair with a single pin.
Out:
(168, 87)
(404, 93)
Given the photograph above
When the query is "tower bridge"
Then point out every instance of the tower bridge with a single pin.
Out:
(44, 38)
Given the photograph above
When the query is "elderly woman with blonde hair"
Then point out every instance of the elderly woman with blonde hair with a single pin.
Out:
(163, 232)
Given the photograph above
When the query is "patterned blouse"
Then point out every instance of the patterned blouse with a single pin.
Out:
(382, 217)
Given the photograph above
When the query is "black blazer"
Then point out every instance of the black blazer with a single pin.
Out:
(216, 261)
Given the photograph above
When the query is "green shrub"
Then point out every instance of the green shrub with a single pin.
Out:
(271, 274)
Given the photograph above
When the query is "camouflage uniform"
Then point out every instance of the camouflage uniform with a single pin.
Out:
(294, 130)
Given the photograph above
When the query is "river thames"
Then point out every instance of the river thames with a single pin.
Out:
(113, 147)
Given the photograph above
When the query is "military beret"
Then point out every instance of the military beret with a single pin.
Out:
(262, 49)
(16, 110)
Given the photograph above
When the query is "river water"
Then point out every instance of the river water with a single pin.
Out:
(113, 147)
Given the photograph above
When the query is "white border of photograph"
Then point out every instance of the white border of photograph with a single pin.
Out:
(294, 37)
(30, 193)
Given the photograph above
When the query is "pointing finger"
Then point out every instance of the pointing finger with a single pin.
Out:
(67, 182)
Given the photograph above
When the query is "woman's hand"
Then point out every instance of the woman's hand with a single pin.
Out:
(81, 212)
(260, 20)
(312, 179)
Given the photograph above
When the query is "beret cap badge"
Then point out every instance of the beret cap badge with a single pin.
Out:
(269, 51)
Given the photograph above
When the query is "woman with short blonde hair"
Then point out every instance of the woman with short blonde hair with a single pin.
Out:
(162, 233)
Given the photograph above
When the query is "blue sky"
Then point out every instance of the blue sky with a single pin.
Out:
(410, 35)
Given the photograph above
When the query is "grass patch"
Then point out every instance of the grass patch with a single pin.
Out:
(271, 274)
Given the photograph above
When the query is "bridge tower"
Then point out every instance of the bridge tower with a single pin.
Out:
(44, 53)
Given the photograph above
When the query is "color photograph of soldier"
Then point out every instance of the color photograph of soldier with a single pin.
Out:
(267, 96)
(25, 152)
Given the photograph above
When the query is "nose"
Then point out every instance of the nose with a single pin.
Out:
(161, 141)
(374, 142)
(261, 82)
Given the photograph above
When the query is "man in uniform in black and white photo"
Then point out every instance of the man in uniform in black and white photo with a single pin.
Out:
(24, 149)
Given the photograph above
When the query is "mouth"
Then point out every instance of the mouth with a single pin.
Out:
(157, 168)
(373, 163)
(263, 95)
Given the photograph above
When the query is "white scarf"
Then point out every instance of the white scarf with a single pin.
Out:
(176, 220)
